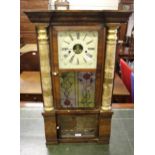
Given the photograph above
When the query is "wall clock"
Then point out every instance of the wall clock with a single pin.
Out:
(77, 59)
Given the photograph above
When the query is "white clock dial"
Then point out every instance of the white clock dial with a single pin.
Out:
(77, 49)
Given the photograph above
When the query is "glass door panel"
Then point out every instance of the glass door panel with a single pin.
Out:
(78, 126)
(77, 89)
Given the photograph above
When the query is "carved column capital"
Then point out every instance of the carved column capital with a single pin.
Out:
(42, 33)
(43, 46)
(109, 66)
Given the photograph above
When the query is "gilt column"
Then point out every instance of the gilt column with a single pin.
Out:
(43, 45)
(109, 66)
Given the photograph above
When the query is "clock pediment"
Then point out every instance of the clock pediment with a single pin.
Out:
(96, 16)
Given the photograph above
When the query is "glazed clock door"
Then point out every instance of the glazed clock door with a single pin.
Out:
(76, 66)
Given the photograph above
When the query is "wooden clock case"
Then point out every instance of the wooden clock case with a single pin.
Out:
(80, 124)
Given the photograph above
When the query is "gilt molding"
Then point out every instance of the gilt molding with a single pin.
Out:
(109, 66)
(43, 46)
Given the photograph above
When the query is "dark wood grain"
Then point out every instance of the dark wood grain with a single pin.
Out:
(27, 27)
(50, 127)
(75, 17)
(29, 61)
(122, 31)
(105, 126)
(25, 23)
(29, 37)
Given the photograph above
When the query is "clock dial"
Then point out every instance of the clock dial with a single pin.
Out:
(77, 49)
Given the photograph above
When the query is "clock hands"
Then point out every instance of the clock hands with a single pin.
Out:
(76, 52)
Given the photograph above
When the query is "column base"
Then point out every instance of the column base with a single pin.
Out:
(50, 127)
(105, 126)
(106, 108)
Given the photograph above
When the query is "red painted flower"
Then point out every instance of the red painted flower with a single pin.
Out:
(67, 102)
(86, 76)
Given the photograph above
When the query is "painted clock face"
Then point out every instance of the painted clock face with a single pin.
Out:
(77, 49)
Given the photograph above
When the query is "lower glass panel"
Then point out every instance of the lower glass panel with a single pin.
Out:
(77, 89)
(77, 126)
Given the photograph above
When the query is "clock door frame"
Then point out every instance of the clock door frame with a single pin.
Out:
(99, 67)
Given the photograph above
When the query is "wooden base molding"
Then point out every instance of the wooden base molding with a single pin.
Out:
(50, 127)
(52, 130)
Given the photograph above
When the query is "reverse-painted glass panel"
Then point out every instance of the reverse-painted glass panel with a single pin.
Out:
(86, 85)
(77, 89)
(68, 88)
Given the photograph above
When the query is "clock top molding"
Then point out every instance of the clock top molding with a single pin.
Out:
(76, 17)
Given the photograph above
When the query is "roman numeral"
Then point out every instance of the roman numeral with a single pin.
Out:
(64, 49)
(71, 59)
(66, 42)
(77, 61)
(89, 42)
(85, 60)
(71, 37)
(78, 35)
(85, 37)
(91, 48)
(66, 55)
